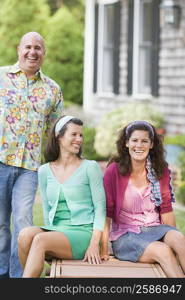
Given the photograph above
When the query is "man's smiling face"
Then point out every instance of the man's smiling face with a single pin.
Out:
(31, 53)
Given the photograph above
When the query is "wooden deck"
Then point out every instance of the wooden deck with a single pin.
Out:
(113, 268)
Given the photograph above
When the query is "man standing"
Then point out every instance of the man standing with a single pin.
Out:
(29, 103)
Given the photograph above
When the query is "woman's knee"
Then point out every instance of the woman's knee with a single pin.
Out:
(163, 253)
(177, 242)
(26, 236)
(39, 240)
(156, 251)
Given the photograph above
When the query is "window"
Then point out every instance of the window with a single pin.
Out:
(145, 48)
(107, 35)
(143, 45)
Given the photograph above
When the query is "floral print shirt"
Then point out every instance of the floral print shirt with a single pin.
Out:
(28, 107)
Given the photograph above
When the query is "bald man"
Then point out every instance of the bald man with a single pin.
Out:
(29, 103)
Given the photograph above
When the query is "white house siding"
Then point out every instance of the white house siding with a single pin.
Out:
(171, 100)
(123, 48)
(172, 75)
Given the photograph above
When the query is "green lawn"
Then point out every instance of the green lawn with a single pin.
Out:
(38, 217)
(180, 220)
(37, 214)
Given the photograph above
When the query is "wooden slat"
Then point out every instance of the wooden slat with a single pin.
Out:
(110, 263)
(112, 268)
(53, 267)
(58, 270)
(106, 272)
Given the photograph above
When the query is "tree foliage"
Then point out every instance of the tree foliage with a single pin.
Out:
(63, 33)
(16, 18)
(64, 60)
(71, 4)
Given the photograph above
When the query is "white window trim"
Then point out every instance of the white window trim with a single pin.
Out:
(106, 94)
(135, 46)
(136, 41)
(100, 92)
(143, 97)
(100, 48)
(103, 2)
(88, 54)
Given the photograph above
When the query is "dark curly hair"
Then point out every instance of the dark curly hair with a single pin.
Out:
(52, 148)
(157, 153)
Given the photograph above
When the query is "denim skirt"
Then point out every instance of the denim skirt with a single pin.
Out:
(130, 246)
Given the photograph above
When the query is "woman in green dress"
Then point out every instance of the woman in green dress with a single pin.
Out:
(73, 200)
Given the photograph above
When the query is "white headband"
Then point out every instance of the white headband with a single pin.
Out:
(61, 123)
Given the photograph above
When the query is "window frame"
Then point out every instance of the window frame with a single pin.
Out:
(134, 29)
(99, 50)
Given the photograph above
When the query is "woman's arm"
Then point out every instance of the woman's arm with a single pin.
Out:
(168, 218)
(95, 176)
(105, 240)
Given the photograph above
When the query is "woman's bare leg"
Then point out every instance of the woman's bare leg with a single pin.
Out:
(52, 243)
(176, 241)
(25, 239)
(162, 253)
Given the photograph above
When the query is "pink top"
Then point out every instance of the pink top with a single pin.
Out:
(138, 211)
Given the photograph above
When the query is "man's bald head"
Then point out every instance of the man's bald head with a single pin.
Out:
(30, 35)
(31, 51)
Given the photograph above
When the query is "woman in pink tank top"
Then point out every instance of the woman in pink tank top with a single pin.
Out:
(140, 220)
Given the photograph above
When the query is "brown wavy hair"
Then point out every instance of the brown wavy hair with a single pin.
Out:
(52, 148)
(157, 153)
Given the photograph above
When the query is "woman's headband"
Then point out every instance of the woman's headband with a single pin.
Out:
(61, 123)
(135, 123)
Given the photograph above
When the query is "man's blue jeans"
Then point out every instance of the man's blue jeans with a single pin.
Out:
(17, 193)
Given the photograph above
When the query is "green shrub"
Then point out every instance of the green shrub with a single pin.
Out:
(178, 140)
(175, 140)
(88, 148)
(180, 194)
(64, 59)
(181, 163)
(106, 132)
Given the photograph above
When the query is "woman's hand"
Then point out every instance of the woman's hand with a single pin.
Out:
(92, 255)
(105, 256)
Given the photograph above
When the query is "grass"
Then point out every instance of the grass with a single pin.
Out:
(38, 215)
(180, 220)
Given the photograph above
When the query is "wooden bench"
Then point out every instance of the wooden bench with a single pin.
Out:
(113, 268)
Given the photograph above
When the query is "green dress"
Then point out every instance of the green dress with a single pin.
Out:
(78, 235)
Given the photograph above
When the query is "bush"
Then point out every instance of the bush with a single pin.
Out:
(178, 140)
(180, 194)
(64, 59)
(175, 140)
(106, 132)
(181, 163)
(88, 148)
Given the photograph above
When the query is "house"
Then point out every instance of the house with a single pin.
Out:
(135, 51)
